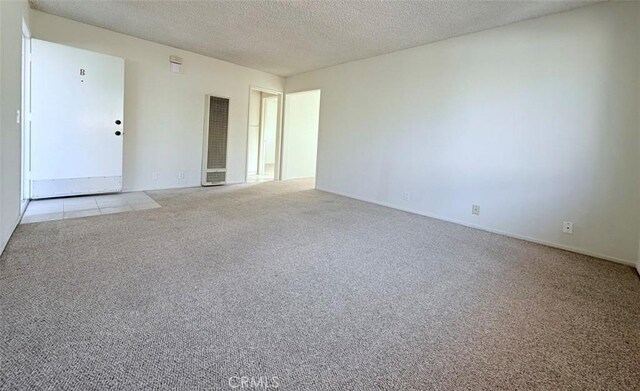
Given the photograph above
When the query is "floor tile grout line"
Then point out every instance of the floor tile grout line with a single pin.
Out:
(126, 202)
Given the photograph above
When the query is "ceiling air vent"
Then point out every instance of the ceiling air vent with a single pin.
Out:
(214, 165)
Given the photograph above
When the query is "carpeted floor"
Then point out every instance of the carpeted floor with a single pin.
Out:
(320, 291)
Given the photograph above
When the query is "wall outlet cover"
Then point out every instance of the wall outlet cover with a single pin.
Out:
(475, 209)
(567, 227)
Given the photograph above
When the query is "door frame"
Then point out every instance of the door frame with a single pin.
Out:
(25, 120)
(278, 161)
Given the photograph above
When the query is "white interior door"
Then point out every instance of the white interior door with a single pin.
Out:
(77, 121)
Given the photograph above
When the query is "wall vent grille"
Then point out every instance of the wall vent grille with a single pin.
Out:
(216, 177)
(215, 165)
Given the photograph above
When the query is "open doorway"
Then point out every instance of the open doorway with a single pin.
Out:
(263, 146)
(300, 134)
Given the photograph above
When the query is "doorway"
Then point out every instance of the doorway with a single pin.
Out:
(264, 135)
(300, 144)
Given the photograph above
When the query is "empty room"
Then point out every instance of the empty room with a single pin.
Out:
(319, 195)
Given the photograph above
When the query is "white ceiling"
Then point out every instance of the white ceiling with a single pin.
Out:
(289, 37)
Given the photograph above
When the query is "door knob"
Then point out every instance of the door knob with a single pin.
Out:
(118, 122)
(118, 133)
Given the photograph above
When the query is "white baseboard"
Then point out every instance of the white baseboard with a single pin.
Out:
(132, 189)
(495, 231)
(298, 177)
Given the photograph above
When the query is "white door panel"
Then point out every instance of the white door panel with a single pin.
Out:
(77, 97)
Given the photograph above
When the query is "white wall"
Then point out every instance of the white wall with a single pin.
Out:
(536, 122)
(164, 112)
(270, 127)
(253, 143)
(300, 139)
(12, 14)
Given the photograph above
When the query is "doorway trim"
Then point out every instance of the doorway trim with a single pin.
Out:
(277, 169)
(25, 120)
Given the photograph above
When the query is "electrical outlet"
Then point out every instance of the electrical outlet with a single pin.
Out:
(18, 116)
(406, 196)
(154, 176)
(567, 227)
(475, 210)
(181, 175)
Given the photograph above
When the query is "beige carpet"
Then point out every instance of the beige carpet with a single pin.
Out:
(320, 291)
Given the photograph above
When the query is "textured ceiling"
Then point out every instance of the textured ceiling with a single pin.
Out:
(289, 37)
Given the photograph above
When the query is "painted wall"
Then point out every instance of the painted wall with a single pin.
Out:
(253, 143)
(536, 122)
(270, 107)
(301, 116)
(12, 14)
(164, 112)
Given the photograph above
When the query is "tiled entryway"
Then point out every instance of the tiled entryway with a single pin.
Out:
(72, 207)
(259, 178)
(268, 175)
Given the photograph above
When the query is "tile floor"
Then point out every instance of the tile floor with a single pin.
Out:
(259, 178)
(265, 177)
(72, 207)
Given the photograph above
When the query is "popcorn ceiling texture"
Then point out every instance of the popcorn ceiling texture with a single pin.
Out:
(289, 37)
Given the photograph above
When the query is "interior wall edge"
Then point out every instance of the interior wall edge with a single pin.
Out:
(638, 60)
(12, 15)
(12, 229)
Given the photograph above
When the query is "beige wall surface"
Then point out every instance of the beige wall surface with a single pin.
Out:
(301, 114)
(535, 122)
(164, 111)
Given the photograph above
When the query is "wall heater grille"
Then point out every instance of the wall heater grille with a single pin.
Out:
(215, 154)
(216, 177)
